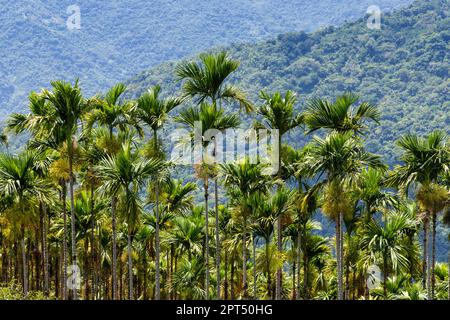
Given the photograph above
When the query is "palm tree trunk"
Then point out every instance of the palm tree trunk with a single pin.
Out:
(216, 203)
(385, 275)
(244, 258)
(64, 258)
(339, 256)
(44, 249)
(298, 264)
(255, 296)
(130, 269)
(347, 278)
(433, 256)
(158, 246)
(425, 254)
(225, 285)
(294, 274)
(93, 248)
(206, 239)
(72, 214)
(279, 270)
(232, 278)
(269, 280)
(114, 248)
(305, 277)
(24, 262)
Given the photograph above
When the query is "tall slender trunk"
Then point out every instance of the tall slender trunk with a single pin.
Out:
(72, 214)
(294, 276)
(279, 275)
(45, 249)
(425, 254)
(114, 248)
(24, 261)
(218, 249)
(255, 293)
(64, 258)
(339, 256)
(269, 280)
(433, 256)
(225, 285)
(86, 271)
(206, 239)
(130, 269)
(244, 258)
(299, 237)
(157, 246)
(347, 278)
(233, 296)
(385, 275)
(305, 277)
(93, 248)
(278, 287)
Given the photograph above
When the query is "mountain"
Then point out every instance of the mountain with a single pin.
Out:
(118, 39)
(403, 68)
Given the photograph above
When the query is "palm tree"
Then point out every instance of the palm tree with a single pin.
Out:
(20, 184)
(243, 180)
(126, 174)
(210, 117)
(424, 161)
(153, 111)
(339, 158)
(175, 199)
(206, 82)
(110, 111)
(340, 115)
(386, 241)
(53, 121)
(278, 113)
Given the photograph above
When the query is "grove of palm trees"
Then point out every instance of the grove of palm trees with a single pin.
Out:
(94, 207)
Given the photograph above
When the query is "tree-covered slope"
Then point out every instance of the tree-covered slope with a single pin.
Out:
(403, 68)
(119, 38)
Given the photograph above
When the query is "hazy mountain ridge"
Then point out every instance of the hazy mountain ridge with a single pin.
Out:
(120, 38)
(403, 68)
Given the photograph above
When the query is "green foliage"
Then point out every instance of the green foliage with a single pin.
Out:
(38, 47)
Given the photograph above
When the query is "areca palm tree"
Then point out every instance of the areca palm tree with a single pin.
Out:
(20, 184)
(211, 118)
(175, 199)
(424, 161)
(339, 160)
(153, 111)
(110, 111)
(278, 113)
(243, 180)
(126, 174)
(385, 241)
(340, 115)
(206, 82)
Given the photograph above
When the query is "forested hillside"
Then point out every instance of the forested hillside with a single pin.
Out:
(403, 68)
(94, 204)
(120, 38)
